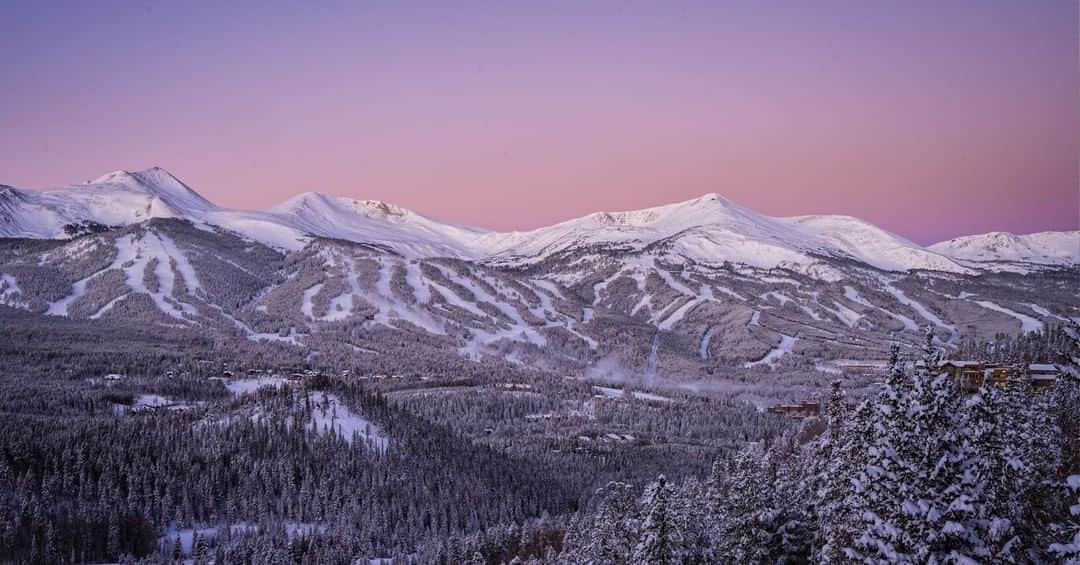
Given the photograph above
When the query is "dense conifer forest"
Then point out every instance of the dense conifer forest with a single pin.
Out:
(120, 447)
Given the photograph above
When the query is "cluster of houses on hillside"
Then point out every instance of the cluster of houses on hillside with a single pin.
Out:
(968, 375)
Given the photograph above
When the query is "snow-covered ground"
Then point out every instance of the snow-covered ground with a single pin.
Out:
(827, 367)
(240, 387)
(846, 315)
(1045, 248)
(785, 346)
(148, 401)
(330, 415)
(10, 293)
(612, 392)
(853, 295)
(1027, 323)
(307, 305)
(703, 348)
(1045, 313)
(146, 256)
(187, 536)
(923, 311)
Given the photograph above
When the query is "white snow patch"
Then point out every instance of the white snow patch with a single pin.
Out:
(330, 415)
(918, 307)
(854, 296)
(307, 306)
(1044, 312)
(150, 401)
(611, 392)
(240, 387)
(10, 293)
(783, 348)
(844, 314)
(134, 255)
(1027, 323)
(703, 349)
(415, 279)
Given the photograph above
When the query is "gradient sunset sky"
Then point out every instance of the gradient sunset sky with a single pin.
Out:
(928, 118)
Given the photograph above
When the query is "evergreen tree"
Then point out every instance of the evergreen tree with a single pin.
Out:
(882, 479)
(838, 503)
(612, 530)
(1068, 551)
(939, 507)
(746, 536)
(660, 541)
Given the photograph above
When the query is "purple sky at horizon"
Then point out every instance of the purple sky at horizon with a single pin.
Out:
(928, 118)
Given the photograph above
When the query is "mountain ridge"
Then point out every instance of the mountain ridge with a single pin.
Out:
(709, 228)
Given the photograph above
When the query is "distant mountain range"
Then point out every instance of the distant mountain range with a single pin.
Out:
(708, 229)
(680, 288)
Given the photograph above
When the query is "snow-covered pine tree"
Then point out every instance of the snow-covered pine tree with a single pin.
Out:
(844, 500)
(785, 466)
(691, 519)
(992, 471)
(660, 541)
(831, 472)
(716, 491)
(1036, 442)
(608, 535)
(746, 535)
(882, 479)
(1068, 550)
(939, 509)
(1066, 400)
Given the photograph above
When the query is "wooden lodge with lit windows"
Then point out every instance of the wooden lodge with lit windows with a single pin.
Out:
(798, 410)
(970, 375)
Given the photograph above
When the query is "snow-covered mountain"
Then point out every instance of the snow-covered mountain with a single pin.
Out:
(678, 288)
(1043, 248)
(124, 198)
(712, 229)
(708, 230)
(373, 221)
(117, 198)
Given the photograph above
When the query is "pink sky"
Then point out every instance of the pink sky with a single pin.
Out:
(931, 119)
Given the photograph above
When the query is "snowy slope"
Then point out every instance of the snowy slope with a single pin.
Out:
(407, 232)
(1044, 248)
(870, 244)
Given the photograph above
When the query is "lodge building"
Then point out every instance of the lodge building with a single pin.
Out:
(970, 375)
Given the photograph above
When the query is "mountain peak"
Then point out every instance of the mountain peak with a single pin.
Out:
(117, 176)
(158, 183)
(382, 209)
(328, 204)
(1054, 248)
(712, 197)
